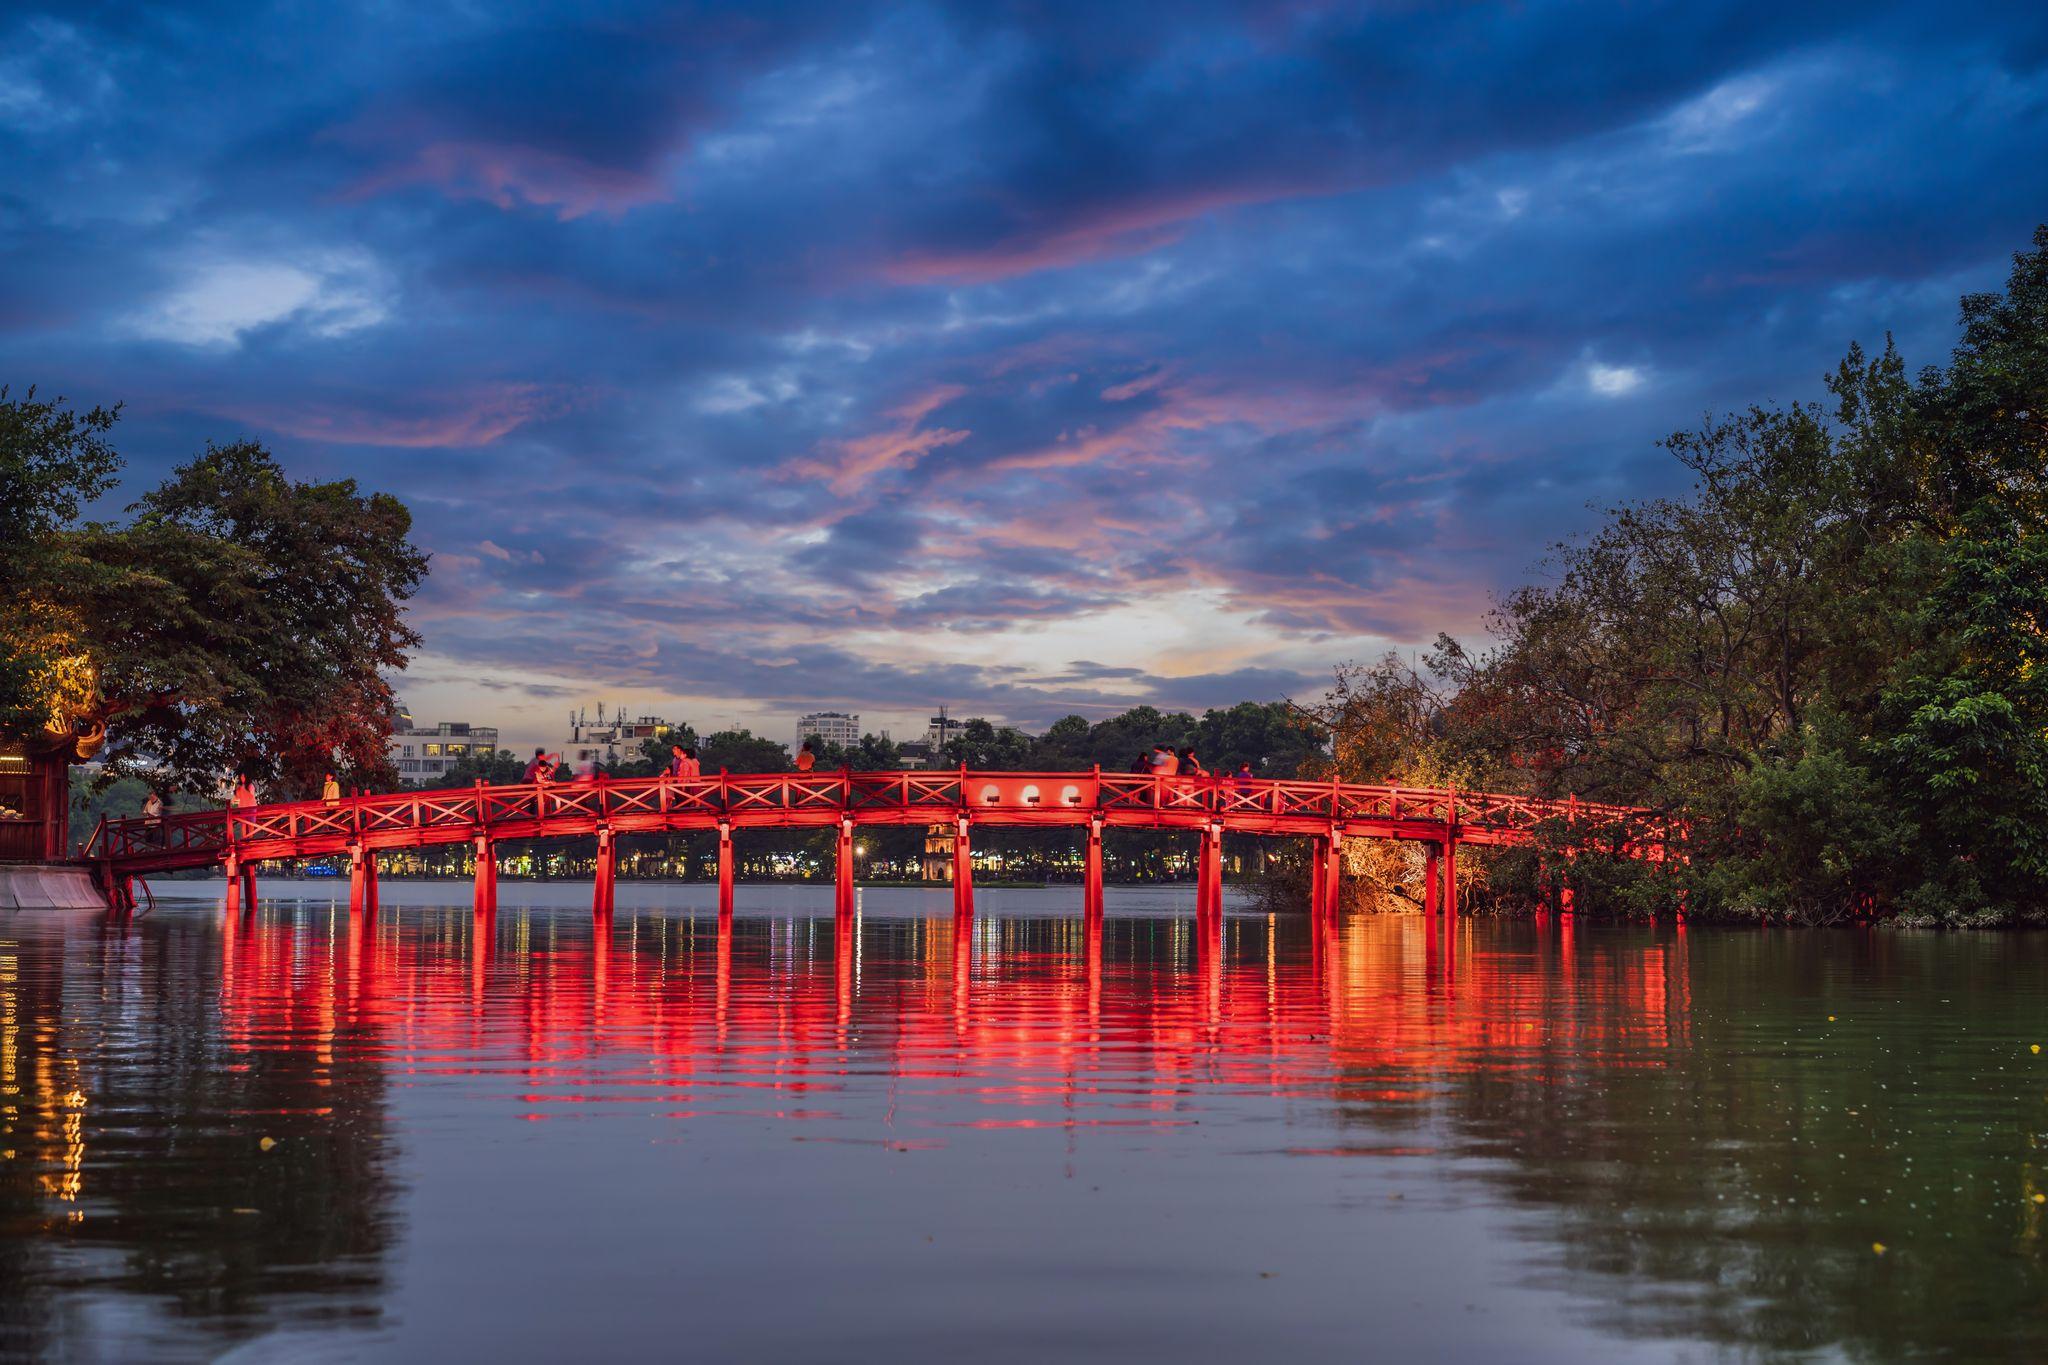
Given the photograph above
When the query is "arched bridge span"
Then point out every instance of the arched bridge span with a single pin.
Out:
(1441, 818)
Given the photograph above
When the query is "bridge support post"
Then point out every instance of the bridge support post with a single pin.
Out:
(249, 888)
(1318, 872)
(1209, 873)
(362, 881)
(963, 872)
(1333, 877)
(724, 875)
(601, 886)
(1432, 904)
(842, 873)
(485, 895)
(233, 901)
(1091, 876)
(1450, 872)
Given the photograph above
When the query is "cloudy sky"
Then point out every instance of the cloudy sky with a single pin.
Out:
(1026, 357)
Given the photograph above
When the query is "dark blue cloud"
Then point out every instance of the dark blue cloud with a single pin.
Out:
(767, 354)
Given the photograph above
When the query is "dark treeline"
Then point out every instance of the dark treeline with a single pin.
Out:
(1828, 656)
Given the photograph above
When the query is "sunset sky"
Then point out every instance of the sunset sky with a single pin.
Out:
(1028, 358)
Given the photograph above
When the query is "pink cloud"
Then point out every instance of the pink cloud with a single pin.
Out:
(473, 419)
(1125, 229)
(509, 174)
(846, 465)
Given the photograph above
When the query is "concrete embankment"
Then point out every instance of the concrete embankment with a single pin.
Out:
(48, 886)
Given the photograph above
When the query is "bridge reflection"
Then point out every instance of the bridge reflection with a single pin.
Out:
(1047, 1016)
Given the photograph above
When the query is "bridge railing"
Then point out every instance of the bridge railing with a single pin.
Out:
(819, 797)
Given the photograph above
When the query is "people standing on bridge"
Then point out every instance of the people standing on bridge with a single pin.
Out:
(1142, 763)
(542, 768)
(691, 767)
(330, 792)
(245, 793)
(806, 758)
(1190, 766)
(153, 818)
(1165, 763)
(1244, 776)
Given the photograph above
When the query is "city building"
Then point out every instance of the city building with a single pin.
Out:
(841, 728)
(941, 729)
(426, 753)
(611, 740)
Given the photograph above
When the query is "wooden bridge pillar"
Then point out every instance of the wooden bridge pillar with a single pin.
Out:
(232, 902)
(842, 873)
(963, 871)
(1209, 873)
(601, 886)
(362, 881)
(724, 875)
(1091, 876)
(1334, 876)
(484, 896)
(1432, 903)
(1450, 871)
(249, 888)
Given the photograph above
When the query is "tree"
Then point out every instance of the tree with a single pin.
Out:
(240, 621)
(741, 751)
(1829, 657)
(498, 768)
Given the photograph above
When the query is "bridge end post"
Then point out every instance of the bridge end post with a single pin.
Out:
(842, 872)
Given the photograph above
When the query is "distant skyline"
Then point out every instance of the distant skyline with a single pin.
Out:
(1033, 359)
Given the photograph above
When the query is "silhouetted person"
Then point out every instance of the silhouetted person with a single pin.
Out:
(1190, 766)
(805, 758)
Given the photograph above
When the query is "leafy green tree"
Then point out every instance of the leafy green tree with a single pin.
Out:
(985, 746)
(239, 621)
(741, 751)
(498, 768)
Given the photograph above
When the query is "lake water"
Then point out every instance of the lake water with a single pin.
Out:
(1508, 1142)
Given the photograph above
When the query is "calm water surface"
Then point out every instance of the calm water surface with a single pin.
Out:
(434, 1139)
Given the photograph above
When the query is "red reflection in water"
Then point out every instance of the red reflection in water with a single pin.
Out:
(1071, 1023)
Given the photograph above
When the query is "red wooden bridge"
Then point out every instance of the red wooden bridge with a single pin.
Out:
(359, 827)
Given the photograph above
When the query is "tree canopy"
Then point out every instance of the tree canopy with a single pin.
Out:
(237, 620)
(1828, 656)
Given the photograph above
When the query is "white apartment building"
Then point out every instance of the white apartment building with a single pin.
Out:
(609, 740)
(833, 727)
(425, 754)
